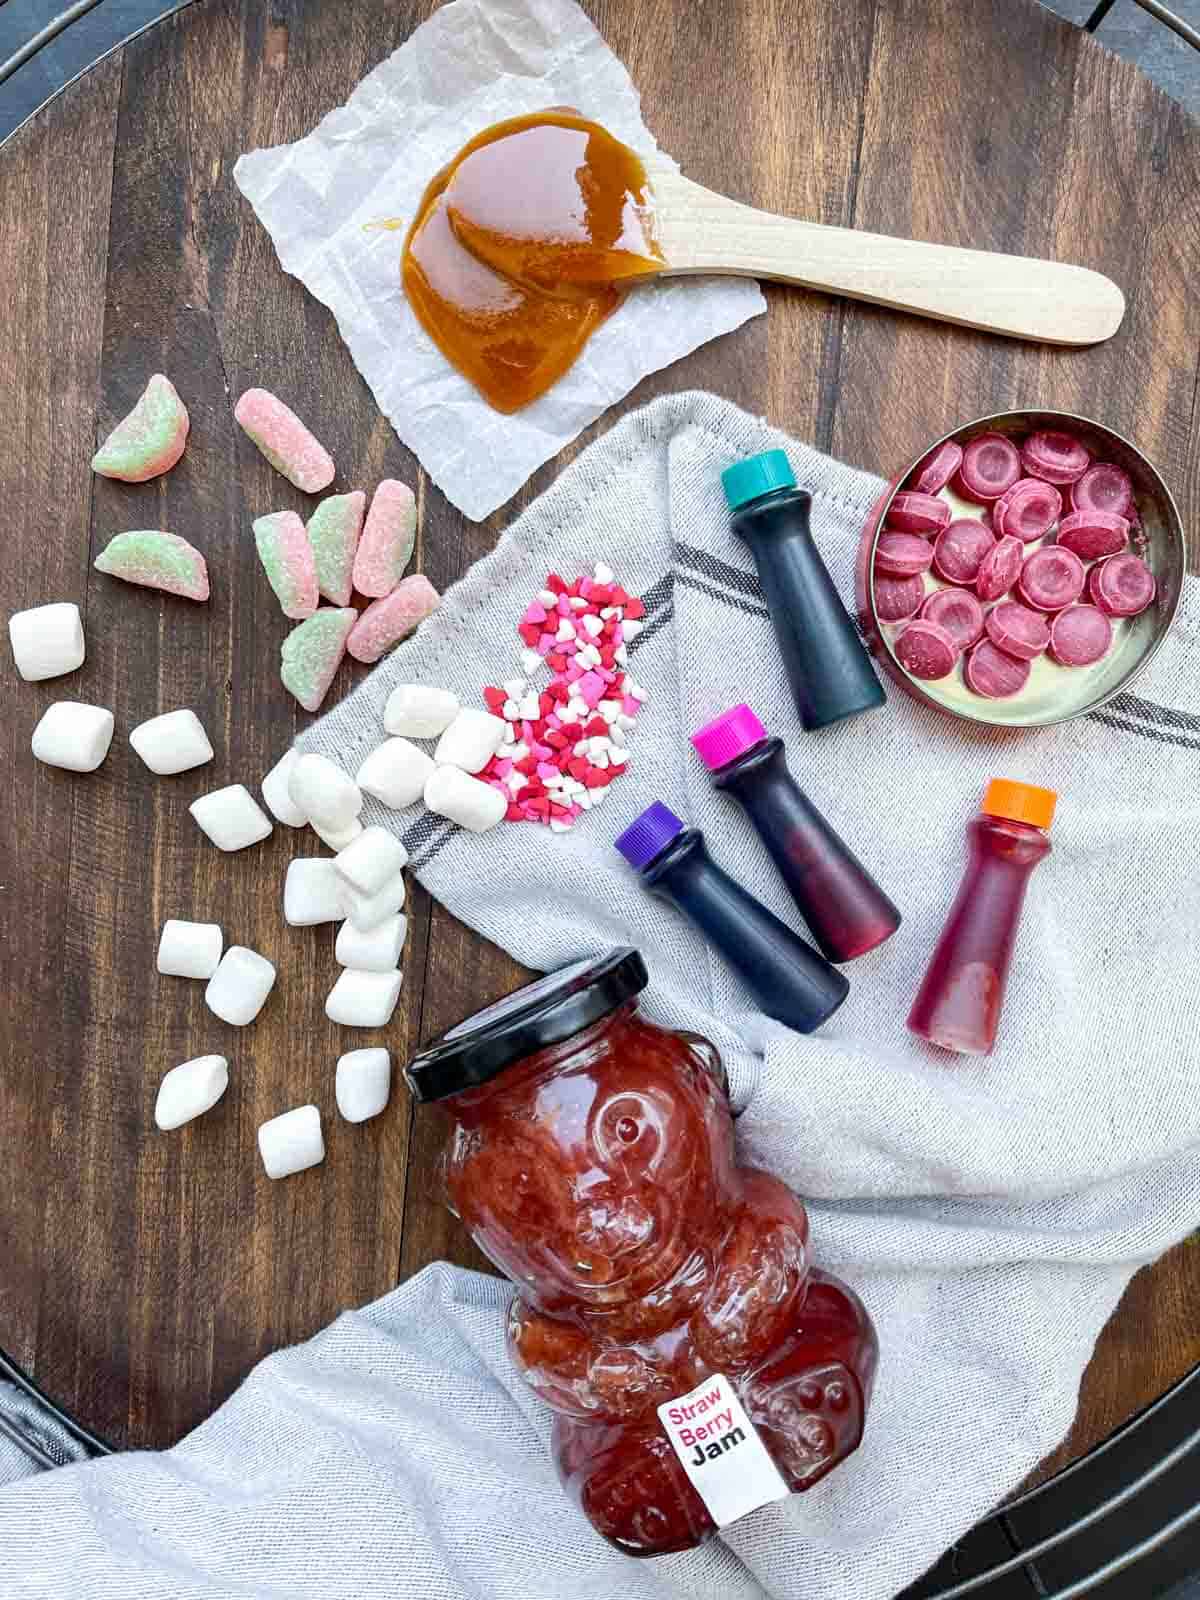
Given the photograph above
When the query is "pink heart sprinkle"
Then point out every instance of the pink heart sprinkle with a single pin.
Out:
(503, 768)
(546, 769)
(534, 612)
(630, 706)
(545, 644)
(573, 673)
(591, 687)
(564, 606)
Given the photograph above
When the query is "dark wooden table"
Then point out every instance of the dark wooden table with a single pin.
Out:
(142, 1275)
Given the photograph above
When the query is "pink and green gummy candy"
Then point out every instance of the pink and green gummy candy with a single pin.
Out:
(284, 440)
(287, 560)
(333, 531)
(150, 440)
(385, 622)
(156, 561)
(312, 653)
(388, 537)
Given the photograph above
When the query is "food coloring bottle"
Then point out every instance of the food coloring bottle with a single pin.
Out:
(827, 664)
(958, 1003)
(790, 981)
(846, 911)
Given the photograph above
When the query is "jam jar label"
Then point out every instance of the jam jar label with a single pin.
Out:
(721, 1451)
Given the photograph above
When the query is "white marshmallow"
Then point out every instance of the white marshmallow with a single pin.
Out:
(363, 1083)
(474, 805)
(325, 794)
(368, 911)
(395, 773)
(310, 893)
(189, 949)
(190, 1089)
(73, 735)
(337, 838)
(238, 989)
(418, 712)
(291, 1142)
(275, 792)
(377, 950)
(174, 742)
(363, 999)
(471, 740)
(47, 640)
(367, 863)
(232, 818)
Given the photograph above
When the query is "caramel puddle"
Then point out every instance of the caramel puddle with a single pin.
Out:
(523, 245)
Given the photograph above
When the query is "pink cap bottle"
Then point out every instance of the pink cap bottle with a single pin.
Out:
(846, 910)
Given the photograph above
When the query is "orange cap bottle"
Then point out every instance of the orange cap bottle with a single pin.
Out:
(1020, 802)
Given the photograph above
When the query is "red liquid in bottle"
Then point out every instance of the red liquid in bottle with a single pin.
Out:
(958, 1003)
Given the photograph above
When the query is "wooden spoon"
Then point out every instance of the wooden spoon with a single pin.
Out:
(700, 231)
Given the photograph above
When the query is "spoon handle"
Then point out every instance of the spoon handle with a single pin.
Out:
(1051, 301)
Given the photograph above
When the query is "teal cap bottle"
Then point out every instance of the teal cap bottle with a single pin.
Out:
(827, 664)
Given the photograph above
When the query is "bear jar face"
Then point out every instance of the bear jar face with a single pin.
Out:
(599, 1175)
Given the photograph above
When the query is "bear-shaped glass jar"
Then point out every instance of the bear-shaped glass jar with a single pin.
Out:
(668, 1310)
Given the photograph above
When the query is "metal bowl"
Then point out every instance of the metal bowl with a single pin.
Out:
(1054, 694)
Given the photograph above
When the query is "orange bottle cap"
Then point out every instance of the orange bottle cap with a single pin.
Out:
(1020, 802)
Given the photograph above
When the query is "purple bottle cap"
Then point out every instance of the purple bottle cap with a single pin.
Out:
(649, 835)
(728, 736)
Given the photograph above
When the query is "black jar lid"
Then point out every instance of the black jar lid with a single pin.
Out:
(545, 1012)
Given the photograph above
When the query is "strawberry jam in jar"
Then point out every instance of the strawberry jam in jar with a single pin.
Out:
(668, 1310)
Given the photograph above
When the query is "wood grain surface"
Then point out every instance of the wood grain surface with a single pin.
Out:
(141, 1275)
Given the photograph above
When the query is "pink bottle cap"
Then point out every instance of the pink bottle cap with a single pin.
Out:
(728, 736)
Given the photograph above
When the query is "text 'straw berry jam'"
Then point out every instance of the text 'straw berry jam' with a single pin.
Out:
(700, 1366)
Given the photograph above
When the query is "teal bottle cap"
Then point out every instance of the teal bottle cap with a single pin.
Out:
(755, 476)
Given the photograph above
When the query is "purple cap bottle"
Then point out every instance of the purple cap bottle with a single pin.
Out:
(845, 909)
(791, 982)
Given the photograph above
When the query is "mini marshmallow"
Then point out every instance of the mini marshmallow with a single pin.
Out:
(174, 742)
(190, 1089)
(395, 773)
(377, 950)
(275, 792)
(310, 893)
(419, 713)
(368, 911)
(363, 1083)
(189, 949)
(470, 741)
(363, 999)
(231, 817)
(338, 838)
(47, 640)
(73, 735)
(284, 440)
(474, 805)
(292, 1142)
(367, 864)
(238, 989)
(325, 794)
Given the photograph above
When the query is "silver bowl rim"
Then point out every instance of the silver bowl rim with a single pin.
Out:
(1174, 528)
